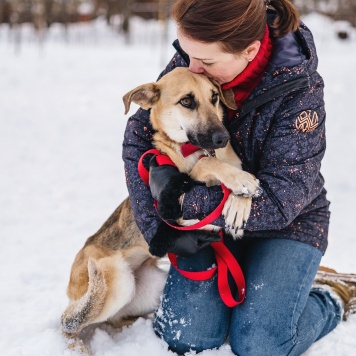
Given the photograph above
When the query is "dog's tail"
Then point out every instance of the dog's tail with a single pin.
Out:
(80, 312)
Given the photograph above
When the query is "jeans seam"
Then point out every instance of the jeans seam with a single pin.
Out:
(293, 336)
(296, 343)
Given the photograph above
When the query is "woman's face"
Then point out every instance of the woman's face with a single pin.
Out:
(209, 59)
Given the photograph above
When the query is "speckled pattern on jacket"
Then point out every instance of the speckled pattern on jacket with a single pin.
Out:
(279, 134)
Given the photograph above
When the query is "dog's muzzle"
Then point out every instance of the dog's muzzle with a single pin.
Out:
(213, 139)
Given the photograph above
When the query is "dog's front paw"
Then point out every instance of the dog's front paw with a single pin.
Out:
(169, 209)
(250, 185)
(236, 234)
(236, 212)
(244, 184)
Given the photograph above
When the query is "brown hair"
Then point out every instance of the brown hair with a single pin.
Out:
(235, 24)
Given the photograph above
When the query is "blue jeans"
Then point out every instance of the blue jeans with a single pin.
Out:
(281, 314)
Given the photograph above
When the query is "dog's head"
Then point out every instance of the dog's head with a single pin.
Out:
(186, 107)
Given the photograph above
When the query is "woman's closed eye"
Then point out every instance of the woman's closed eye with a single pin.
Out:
(207, 64)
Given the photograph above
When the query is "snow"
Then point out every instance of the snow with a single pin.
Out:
(62, 127)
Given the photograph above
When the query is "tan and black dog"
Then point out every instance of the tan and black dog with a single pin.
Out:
(114, 277)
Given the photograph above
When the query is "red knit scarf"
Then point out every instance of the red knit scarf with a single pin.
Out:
(249, 78)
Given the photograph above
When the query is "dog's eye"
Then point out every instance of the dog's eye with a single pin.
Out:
(214, 98)
(187, 102)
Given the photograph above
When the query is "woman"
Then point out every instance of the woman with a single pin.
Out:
(268, 58)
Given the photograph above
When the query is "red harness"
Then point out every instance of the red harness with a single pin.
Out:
(224, 258)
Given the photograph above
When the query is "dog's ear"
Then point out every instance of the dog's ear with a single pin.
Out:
(227, 96)
(145, 95)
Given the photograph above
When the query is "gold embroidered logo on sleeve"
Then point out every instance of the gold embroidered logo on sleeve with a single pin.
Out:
(307, 121)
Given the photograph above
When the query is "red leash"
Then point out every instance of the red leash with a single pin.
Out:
(225, 263)
(224, 258)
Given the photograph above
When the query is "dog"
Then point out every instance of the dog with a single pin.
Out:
(114, 278)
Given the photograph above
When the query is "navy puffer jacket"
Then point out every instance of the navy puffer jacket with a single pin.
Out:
(278, 133)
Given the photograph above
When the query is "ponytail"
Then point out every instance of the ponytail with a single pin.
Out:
(287, 19)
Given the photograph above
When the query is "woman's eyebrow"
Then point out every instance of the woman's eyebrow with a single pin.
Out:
(203, 59)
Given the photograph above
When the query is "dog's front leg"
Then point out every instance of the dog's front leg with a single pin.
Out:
(191, 222)
(212, 171)
(236, 212)
(228, 155)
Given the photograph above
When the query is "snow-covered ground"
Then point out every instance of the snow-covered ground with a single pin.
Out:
(62, 123)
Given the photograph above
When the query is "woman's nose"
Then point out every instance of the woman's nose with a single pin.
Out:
(195, 66)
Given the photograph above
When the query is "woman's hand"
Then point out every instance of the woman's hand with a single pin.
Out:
(167, 184)
(181, 243)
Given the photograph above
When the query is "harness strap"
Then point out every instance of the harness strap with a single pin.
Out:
(188, 149)
(225, 260)
(209, 218)
(143, 172)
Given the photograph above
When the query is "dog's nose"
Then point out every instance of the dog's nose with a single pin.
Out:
(220, 138)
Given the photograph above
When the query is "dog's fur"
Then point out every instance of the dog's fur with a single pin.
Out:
(114, 277)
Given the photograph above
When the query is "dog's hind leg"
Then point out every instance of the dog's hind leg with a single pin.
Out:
(150, 282)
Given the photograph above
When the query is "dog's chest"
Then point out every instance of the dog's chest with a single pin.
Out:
(193, 158)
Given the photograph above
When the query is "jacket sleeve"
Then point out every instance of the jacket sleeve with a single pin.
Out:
(289, 171)
(138, 140)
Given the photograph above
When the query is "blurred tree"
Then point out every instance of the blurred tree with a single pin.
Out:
(336, 9)
(68, 11)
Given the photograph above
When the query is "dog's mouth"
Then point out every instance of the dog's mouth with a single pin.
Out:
(214, 139)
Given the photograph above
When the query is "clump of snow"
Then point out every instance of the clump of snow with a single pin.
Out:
(244, 191)
(258, 286)
(62, 127)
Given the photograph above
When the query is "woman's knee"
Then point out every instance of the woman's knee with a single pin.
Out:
(266, 323)
(192, 315)
(256, 340)
(182, 339)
